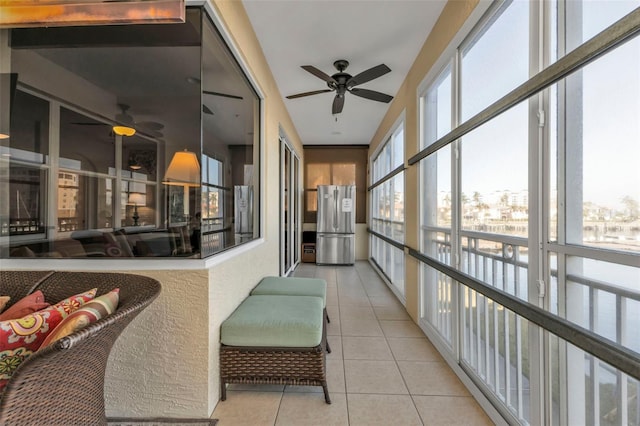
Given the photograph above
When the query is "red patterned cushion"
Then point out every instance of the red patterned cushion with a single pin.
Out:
(25, 306)
(90, 312)
(20, 338)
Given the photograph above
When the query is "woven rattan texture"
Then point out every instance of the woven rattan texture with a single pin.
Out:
(275, 366)
(63, 384)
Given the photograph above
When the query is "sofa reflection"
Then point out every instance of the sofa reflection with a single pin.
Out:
(139, 241)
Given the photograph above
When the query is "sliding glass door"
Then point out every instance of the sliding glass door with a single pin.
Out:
(289, 208)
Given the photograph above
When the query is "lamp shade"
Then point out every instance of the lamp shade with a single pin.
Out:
(184, 170)
(137, 199)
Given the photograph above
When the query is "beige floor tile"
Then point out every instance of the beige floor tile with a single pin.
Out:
(334, 328)
(335, 376)
(431, 378)
(372, 348)
(451, 411)
(361, 327)
(248, 408)
(358, 312)
(335, 342)
(384, 410)
(380, 377)
(353, 301)
(332, 300)
(391, 313)
(377, 290)
(400, 329)
(413, 349)
(334, 313)
(388, 300)
(299, 409)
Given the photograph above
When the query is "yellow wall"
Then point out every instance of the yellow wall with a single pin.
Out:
(454, 15)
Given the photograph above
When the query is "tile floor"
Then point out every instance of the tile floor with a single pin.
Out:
(382, 369)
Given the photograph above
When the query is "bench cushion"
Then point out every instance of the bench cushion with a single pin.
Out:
(292, 286)
(275, 321)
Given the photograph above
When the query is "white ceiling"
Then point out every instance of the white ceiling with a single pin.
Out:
(318, 32)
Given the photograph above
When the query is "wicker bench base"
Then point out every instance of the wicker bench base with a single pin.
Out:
(267, 365)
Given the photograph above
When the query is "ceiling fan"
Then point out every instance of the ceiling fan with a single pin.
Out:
(150, 128)
(341, 83)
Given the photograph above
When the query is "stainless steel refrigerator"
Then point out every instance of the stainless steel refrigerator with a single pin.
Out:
(335, 240)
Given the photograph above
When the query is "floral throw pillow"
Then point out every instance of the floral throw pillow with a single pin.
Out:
(20, 338)
(92, 311)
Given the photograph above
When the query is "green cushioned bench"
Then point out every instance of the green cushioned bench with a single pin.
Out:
(275, 340)
(292, 286)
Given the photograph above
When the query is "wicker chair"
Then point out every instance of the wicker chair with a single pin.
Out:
(63, 384)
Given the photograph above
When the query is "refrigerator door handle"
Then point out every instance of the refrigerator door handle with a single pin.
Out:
(335, 208)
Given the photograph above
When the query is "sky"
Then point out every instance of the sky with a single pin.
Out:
(610, 113)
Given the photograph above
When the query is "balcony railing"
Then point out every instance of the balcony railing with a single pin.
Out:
(494, 342)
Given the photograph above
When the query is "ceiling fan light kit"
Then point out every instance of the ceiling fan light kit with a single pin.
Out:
(342, 82)
(124, 130)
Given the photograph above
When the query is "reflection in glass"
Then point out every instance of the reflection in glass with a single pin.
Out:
(112, 199)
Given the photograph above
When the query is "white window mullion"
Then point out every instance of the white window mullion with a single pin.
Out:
(54, 166)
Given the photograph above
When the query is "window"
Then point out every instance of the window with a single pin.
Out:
(555, 171)
(334, 166)
(185, 184)
(387, 207)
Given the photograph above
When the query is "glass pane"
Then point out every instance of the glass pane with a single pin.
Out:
(343, 174)
(312, 200)
(397, 201)
(26, 198)
(84, 202)
(140, 156)
(29, 132)
(398, 147)
(437, 109)
(85, 144)
(587, 18)
(604, 124)
(318, 174)
(497, 202)
(484, 76)
(137, 206)
(607, 291)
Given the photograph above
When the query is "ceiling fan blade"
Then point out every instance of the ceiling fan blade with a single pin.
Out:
(224, 95)
(338, 104)
(90, 124)
(371, 94)
(368, 75)
(315, 92)
(315, 71)
(150, 125)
